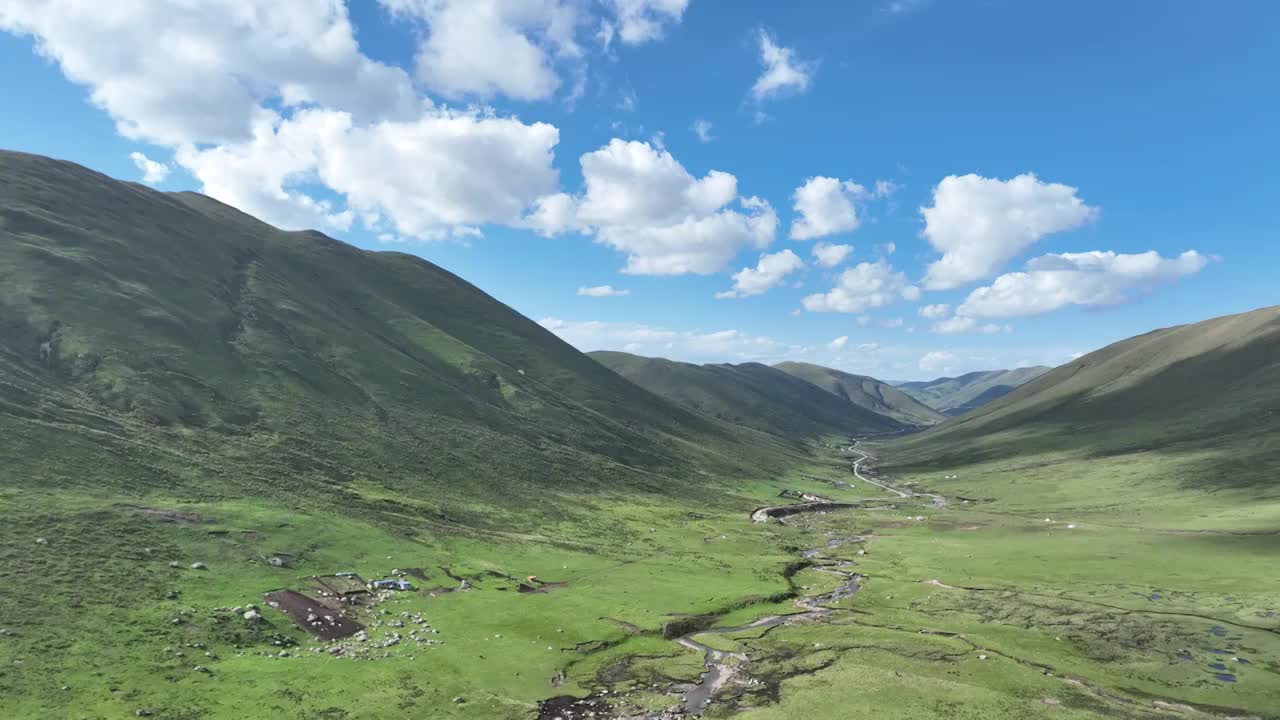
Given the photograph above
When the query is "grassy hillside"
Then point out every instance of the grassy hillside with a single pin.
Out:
(177, 335)
(866, 392)
(754, 395)
(1178, 425)
(197, 411)
(182, 385)
(1097, 543)
(1207, 386)
(959, 395)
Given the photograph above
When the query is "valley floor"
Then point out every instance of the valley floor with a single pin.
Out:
(984, 599)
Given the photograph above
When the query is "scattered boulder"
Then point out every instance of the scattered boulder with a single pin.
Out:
(42, 541)
(459, 700)
(252, 615)
(199, 566)
(142, 712)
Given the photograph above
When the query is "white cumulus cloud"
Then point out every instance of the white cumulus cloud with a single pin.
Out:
(1089, 279)
(783, 70)
(153, 172)
(831, 255)
(602, 291)
(960, 324)
(933, 312)
(767, 273)
(198, 72)
(641, 201)
(839, 343)
(639, 21)
(979, 224)
(826, 207)
(429, 177)
(485, 48)
(864, 287)
(273, 107)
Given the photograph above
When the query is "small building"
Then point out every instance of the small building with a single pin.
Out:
(391, 585)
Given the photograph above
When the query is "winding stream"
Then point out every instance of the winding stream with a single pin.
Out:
(722, 666)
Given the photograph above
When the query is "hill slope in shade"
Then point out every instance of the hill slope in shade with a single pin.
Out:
(131, 319)
(1212, 387)
(959, 395)
(750, 394)
(865, 392)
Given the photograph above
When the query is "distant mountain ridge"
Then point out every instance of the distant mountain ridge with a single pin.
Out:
(749, 394)
(866, 392)
(958, 395)
(1208, 387)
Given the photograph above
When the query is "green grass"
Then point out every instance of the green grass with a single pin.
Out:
(284, 393)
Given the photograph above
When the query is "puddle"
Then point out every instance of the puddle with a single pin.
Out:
(1225, 677)
(1218, 631)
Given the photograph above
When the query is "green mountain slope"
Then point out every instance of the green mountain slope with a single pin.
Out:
(197, 409)
(1206, 394)
(750, 394)
(959, 395)
(865, 392)
(198, 348)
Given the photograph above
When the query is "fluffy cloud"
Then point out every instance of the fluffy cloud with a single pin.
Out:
(438, 174)
(198, 72)
(839, 343)
(639, 21)
(640, 339)
(831, 255)
(979, 224)
(934, 312)
(485, 48)
(1090, 279)
(826, 206)
(602, 291)
(766, 274)
(937, 360)
(640, 201)
(960, 324)
(783, 70)
(702, 128)
(863, 287)
(153, 172)
(273, 108)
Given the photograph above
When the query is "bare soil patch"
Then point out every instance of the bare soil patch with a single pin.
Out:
(312, 615)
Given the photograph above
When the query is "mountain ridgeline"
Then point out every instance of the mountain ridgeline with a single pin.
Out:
(1209, 389)
(130, 319)
(867, 393)
(959, 395)
(752, 395)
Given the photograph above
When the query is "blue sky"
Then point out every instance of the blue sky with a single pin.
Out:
(1019, 182)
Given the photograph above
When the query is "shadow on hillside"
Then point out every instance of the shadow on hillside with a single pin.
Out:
(1220, 409)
